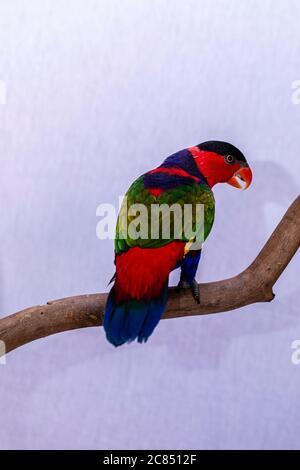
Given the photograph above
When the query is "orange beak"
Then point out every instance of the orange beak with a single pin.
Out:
(242, 178)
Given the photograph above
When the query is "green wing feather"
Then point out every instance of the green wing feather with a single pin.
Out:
(136, 213)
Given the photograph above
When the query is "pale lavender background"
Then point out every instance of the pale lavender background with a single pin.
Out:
(97, 93)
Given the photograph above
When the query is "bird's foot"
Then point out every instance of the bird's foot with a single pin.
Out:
(194, 286)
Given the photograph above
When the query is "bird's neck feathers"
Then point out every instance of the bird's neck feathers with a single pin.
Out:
(182, 163)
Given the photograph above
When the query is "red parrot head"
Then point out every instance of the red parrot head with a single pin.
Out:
(221, 162)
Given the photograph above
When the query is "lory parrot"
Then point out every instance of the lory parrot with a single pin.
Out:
(139, 295)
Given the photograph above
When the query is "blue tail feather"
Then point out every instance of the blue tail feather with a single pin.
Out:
(133, 319)
(155, 309)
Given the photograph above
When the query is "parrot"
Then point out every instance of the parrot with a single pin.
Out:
(138, 297)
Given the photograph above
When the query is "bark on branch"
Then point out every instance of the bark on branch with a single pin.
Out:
(255, 284)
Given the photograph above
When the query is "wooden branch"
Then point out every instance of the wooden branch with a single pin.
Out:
(252, 285)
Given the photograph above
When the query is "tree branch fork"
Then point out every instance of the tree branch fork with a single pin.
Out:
(255, 284)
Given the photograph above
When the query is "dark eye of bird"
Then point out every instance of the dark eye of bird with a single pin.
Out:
(230, 159)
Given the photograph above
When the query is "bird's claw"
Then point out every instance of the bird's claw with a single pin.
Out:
(183, 285)
(195, 291)
(194, 286)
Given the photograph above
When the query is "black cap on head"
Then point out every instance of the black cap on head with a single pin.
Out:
(222, 148)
